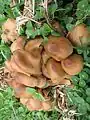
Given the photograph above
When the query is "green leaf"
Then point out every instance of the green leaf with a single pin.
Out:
(68, 8)
(82, 83)
(2, 18)
(82, 108)
(55, 33)
(31, 90)
(45, 30)
(21, 31)
(82, 4)
(45, 39)
(29, 25)
(83, 75)
(40, 13)
(87, 70)
(69, 26)
(79, 50)
(5, 51)
(75, 80)
(39, 96)
(88, 99)
(52, 8)
(35, 94)
(70, 98)
(88, 91)
(30, 31)
(16, 11)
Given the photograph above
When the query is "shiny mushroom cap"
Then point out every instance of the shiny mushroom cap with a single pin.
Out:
(55, 70)
(58, 48)
(73, 64)
(27, 62)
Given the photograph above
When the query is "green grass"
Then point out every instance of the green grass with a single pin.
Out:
(11, 109)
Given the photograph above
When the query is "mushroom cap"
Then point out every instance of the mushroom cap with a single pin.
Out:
(15, 67)
(32, 44)
(44, 71)
(58, 48)
(45, 58)
(65, 82)
(9, 30)
(57, 26)
(27, 62)
(20, 92)
(10, 24)
(34, 104)
(19, 89)
(47, 105)
(24, 101)
(8, 65)
(73, 64)
(79, 35)
(18, 44)
(30, 80)
(55, 70)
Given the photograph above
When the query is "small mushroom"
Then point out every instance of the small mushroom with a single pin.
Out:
(79, 35)
(57, 27)
(73, 64)
(9, 30)
(58, 48)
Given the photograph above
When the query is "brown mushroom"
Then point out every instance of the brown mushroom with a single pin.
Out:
(58, 48)
(47, 105)
(27, 62)
(57, 27)
(19, 89)
(33, 44)
(73, 64)
(55, 71)
(35, 104)
(31, 81)
(15, 67)
(45, 58)
(79, 35)
(8, 65)
(65, 82)
(18, 44)
(9, 30)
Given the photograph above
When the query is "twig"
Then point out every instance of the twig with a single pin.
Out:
(33, 3)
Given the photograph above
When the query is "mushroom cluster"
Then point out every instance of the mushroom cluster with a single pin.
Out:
(40, 65)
